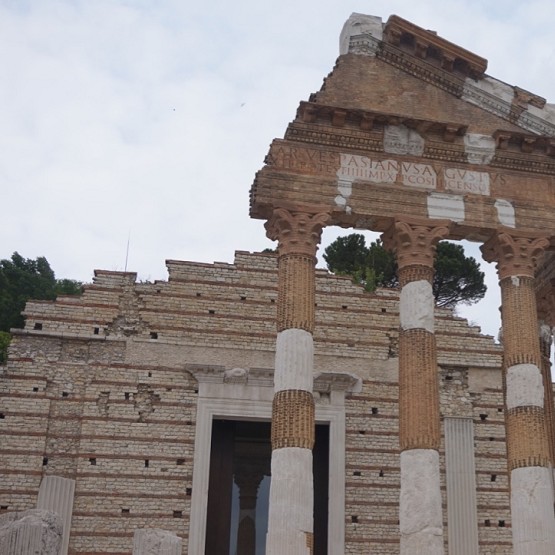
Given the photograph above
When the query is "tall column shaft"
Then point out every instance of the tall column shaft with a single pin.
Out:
(290, 517)
(533, 519)
(420, 511)
(546, 338)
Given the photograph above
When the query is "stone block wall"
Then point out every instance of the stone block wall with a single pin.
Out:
(99, 393)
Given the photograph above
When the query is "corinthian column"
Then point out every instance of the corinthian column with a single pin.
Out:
(546, 314)
(290, 518)
(533, 519)
(420, 512)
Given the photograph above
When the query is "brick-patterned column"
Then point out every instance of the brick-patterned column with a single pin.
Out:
(546, 316)
(420, 512)
(290, 518)
(533, 518)
(546, 338)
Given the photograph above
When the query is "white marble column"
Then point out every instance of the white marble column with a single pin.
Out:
(31, 532)
(290, 518)
(154, 541)
(420, 509)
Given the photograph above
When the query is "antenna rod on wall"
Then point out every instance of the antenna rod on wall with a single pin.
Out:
(127, 251)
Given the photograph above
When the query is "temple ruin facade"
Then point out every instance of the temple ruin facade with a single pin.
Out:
(266, 406)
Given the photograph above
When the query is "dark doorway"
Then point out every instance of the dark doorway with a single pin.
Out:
(239, 485)
(320, 471)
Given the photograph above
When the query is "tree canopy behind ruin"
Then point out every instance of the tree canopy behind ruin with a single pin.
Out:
(22, 279)
(457, 278)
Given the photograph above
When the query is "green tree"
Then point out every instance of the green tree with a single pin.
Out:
(22, 279)
(5, 339)
(457, 279)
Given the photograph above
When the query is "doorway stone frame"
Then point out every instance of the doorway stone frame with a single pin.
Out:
(242, 394)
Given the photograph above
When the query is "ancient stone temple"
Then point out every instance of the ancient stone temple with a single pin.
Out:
(267, 407)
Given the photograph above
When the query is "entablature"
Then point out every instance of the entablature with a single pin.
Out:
(366, 188)
(366, 132)
(366, 120)
(324, 382)
(525, 142)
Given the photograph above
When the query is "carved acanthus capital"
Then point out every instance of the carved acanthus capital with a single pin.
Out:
(296, 232)
(515, 253)
(414, 241)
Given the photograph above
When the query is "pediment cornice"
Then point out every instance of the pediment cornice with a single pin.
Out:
(464, 80)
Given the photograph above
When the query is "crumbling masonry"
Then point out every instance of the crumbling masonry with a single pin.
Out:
(133, 415)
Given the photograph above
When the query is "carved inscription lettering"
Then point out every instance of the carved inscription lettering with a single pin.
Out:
(363, 168)
(353, 167)
(311, 160)
(497, 179)
(418, 175)
(464, 181)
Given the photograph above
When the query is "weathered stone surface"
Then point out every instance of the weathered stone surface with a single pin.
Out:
(359, 24)
(154, 541)
(505, 213)
(294, 360)
(103, 392)
(32, 532)
(480, 149)
(532, 506)
(416, 307)
(524, 386)
(399, 139)
(56, 494)
(445, 206)
(421, 521)
(291, 501)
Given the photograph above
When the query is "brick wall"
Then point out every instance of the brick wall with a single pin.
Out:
(100, 394)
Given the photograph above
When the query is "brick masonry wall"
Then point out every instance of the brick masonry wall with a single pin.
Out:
(392, 90)
(115, 409)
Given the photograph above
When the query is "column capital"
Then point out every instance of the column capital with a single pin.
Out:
(296, 232)
(516, 253)
(414, 240)
(248, 475)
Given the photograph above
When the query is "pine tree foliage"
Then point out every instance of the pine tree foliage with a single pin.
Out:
(22, 279)
(457, 279)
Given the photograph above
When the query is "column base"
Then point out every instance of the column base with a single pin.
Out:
(533, 520)
(420, 511)
(290, 518)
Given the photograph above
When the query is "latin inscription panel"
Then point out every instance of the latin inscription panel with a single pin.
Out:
(348, 168)
(363, 168)
(463, 181)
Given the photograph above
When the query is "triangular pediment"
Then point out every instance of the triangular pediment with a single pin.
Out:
(409, 124)
(399, 67)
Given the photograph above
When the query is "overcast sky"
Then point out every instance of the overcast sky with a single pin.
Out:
(148, 119)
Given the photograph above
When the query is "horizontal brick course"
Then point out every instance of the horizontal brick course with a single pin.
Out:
(100, 412)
